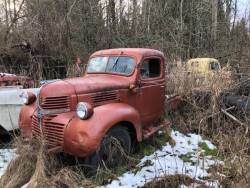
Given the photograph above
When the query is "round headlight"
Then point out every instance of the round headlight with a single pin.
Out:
(28, 97)
(84, 110)
(24, 96)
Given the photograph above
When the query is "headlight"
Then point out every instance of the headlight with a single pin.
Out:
(84, 110)
(28, 97)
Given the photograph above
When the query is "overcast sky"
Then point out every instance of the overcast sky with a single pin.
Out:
(244, 7)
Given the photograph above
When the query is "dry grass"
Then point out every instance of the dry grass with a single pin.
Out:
(231, 138)
(184, 83)
(233, 145)
(174, 181)
(36, 168)
(22, 167)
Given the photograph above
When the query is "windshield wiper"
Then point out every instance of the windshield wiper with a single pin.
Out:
(116, 61)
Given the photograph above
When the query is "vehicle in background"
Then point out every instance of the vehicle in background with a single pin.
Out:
(11, 86)
(203, 66)
(7, 79)
(119, 101)
(238, 97)
(202, 72)
(10, 106)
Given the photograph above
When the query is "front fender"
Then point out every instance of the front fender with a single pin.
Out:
(82, 137)
(25, 119)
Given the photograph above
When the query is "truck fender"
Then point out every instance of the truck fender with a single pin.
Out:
(84, 136)
(25, 119)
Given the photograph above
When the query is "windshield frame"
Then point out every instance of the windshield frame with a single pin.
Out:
(113, 73)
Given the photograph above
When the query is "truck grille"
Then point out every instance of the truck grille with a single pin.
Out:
(104, 97)
(52, 132)
(55, 102)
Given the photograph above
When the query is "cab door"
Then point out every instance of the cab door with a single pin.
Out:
(151, 95)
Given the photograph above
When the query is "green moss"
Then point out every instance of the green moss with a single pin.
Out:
(186, 157)
(145, 149)
(162, 139)
(207, 150)
(150, 145)
(120, 169)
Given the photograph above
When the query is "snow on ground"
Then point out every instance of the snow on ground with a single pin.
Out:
(170, 161)
(6, 155)
(184, 158)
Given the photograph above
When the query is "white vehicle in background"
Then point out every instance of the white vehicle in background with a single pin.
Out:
(10, 105)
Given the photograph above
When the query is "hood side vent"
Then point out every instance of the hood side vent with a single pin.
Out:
(60, 102)
(101, 98)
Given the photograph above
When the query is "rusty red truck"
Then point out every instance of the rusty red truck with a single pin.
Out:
(120, 96)
(7, 79)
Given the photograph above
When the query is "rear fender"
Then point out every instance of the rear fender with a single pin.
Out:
(82, 137)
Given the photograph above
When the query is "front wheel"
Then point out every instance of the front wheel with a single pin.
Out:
(115, 147)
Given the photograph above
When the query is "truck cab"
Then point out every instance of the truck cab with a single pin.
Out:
(121, 96)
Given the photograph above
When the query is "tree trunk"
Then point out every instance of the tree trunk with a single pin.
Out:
(214, 19)
(134, 19)
(181, 27)
(235, 13)
(6, 13)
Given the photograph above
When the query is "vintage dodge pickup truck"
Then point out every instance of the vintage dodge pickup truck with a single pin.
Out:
(121, 97)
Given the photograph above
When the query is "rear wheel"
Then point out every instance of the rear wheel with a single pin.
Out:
(113, 150)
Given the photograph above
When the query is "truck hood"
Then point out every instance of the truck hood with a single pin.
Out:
(84, 85)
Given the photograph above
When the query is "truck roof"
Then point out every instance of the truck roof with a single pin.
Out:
(6, 74)
(142, 52)
(206, 59)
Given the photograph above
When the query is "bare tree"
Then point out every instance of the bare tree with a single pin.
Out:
(214, 19)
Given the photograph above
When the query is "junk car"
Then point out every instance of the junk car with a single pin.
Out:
(121, 96)
(7, 79)
(203, 66)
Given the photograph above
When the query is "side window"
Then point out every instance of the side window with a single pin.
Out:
(195, 64)
(150, 68)
(214, 66)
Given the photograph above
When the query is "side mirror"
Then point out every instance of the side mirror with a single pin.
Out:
(78, 63)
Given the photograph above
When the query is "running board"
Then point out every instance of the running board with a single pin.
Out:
(149, 131)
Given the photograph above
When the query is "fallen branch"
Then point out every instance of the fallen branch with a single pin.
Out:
(215, 114)
(235, 119)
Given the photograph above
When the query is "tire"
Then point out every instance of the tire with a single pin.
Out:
(112, 151)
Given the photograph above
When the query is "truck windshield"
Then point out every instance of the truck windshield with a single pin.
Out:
(111, 64)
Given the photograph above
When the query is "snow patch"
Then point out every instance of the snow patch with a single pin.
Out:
(169, 161)
(6, 155)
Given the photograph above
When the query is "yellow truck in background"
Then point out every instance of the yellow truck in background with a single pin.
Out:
(204, 72)
(203, 66)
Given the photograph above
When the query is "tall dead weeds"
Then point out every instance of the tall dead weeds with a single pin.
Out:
(35, 168)
(230, 137)
(22, 167)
